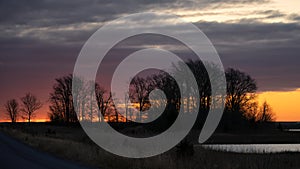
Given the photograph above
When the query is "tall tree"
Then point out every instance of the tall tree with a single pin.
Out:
(62, 101)
(79, 96)
(12, 109)
(30, 104)
(203, 83)
(103, 101)
(241, 90)
(203, 87)
(138, 92)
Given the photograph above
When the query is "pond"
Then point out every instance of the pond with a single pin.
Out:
(255, 148)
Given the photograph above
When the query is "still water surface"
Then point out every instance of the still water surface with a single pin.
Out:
(255, 148)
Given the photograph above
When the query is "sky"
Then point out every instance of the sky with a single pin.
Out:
(40, 41)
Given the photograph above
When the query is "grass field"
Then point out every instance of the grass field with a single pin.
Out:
(71, 143)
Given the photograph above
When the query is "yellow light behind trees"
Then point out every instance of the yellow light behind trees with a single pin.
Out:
(285, 104)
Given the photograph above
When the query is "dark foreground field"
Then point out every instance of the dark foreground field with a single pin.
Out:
(70, 142)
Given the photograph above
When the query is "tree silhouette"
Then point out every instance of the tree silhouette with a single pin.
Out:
(241, 89)
(103, 101)
(12, 109)
(240, 104)
(138, 92)
(252, 112)
(171, 89)
(62, 101)
(30, 104)
(65, 98)
(266, 113)
(204, 80)
(78, 97)
(203, 83)
(91, 103)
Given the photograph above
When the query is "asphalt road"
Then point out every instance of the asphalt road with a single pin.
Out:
(16, 155)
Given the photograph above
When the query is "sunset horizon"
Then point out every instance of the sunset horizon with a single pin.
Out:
(284, 109)
(127, 84)
(256, 37)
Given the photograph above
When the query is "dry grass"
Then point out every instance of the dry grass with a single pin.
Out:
(72, 144)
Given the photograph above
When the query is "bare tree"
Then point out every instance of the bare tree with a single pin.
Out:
(89, 100)
(62, 101)
(56, 110)
(30, 104)
(266, 113)
(241, 90)
(79, 96)
(138, 92)
(126, 104)
(103, 101)
(12, 109)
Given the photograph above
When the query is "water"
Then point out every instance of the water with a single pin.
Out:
(294, 130)
(255, 148)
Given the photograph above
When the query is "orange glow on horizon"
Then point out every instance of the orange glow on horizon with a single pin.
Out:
(41, 115)
(33, 120)
(284, 104)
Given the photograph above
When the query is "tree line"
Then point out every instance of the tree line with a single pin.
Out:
(241, 105)
(26, 110)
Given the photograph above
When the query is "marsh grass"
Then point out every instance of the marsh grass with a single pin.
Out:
(72, 144)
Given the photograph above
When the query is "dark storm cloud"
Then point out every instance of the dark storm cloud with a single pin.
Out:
(295, 17)
(45, 13)
(70, 21)
(269, 52)
(273, 14)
